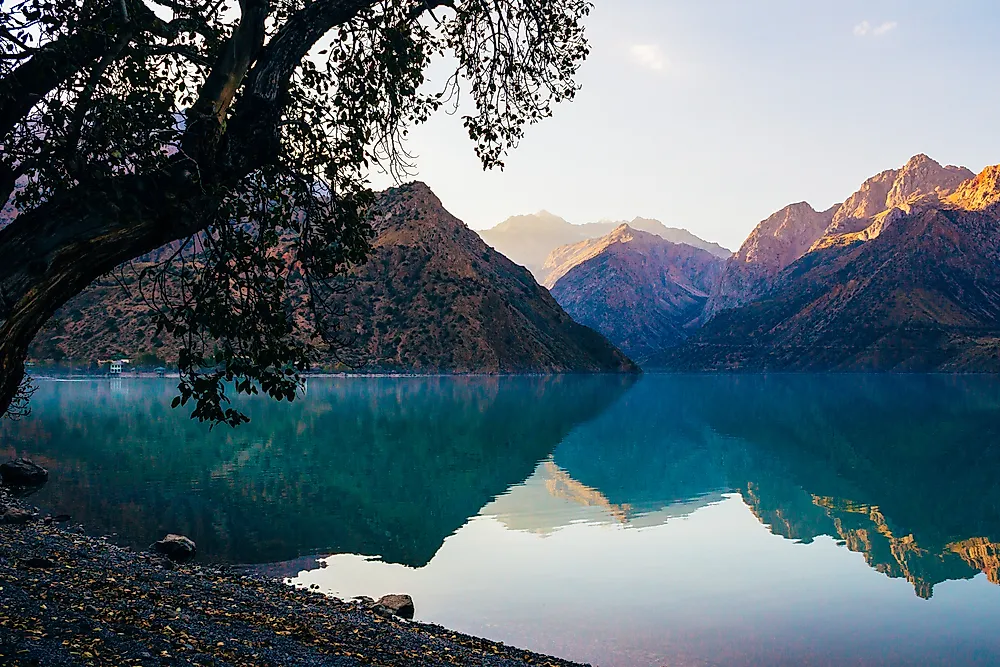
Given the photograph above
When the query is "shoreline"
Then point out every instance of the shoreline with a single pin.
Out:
(71, 599)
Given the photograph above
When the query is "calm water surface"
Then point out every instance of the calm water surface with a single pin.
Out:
(673, 520)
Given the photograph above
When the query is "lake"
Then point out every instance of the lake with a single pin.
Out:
(664, 520)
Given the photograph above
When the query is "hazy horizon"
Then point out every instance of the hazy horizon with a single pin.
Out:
(710, 118)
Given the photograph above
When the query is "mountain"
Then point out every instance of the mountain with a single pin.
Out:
(528, 239)
(672, 234)
(431, 298)
(773, 245)
(981, 193)
(918, 289)
(788, 234)
(919, 179)
(637, 289)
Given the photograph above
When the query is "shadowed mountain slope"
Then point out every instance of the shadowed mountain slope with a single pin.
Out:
(433, 297)
(639, 290)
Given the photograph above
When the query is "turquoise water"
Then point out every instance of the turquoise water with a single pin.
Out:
(669, 520)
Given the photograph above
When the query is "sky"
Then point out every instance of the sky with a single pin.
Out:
(712, 114)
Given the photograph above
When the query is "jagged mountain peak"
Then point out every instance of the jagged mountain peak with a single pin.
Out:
(625, 233)
(920, 160)
(920, 178)
(797, 229)
(622, 239)
(776, 242)
(978, 193)
(785, 235)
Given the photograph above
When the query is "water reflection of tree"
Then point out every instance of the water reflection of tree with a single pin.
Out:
(384, 467)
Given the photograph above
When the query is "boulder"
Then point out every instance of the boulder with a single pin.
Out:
(176, 547)
(397, 605)
(58, 518)
(23, 472)
(17, 516)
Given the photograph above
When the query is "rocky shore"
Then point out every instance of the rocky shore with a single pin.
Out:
(67, 598)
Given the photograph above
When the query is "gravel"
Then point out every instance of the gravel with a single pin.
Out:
(67, 598)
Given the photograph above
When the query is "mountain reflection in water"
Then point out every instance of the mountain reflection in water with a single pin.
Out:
(901, 468)
(366, 465)
(620, 503)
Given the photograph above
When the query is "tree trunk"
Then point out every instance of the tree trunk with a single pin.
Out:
(51, 254)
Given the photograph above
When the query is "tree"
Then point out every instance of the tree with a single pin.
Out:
(238, 141)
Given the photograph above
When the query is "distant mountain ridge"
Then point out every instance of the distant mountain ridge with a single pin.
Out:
(642, 292)
(528, 239)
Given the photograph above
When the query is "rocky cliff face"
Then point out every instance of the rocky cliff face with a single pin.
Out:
(773, 245)
(981, 193)
(640, 291)
(528, 240)
(433, 297)
(916, 290)
(790, 233)
(919, 179)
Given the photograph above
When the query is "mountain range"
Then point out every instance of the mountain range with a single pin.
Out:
(791, 232)
(432, 297)
(903, 276)
(529, 239)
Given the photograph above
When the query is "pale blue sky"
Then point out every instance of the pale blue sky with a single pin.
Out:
(712, 114)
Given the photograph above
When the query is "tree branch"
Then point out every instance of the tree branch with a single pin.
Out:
(52, 64)
(207, 115)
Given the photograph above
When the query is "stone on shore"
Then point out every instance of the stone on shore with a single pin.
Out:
(23, 472)
(177, 548)
(398, 605)
(38, 563)
(17, 516)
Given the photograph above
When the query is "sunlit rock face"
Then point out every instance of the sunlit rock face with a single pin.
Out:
(790, 233)
(977, 194)
(919, 179)
(915, 289)
(773, 245)
(980, 553)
